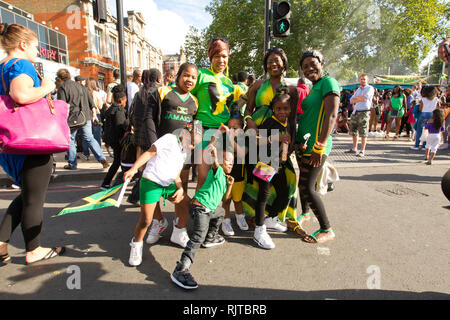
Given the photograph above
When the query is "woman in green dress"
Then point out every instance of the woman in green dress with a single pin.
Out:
(257, 111)
(398, 109)
(215, 93)
(319, 116)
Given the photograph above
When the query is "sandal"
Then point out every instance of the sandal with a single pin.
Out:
(304, 215)
(314, 239)
(5, 258)
(50, 254)
(293, 225)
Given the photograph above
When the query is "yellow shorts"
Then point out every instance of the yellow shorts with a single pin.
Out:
(237, 191)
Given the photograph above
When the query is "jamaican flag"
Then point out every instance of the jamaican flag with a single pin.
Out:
(103, 199)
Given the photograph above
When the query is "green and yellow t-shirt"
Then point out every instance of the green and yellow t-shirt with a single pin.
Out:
(313, 115)
(215, 94)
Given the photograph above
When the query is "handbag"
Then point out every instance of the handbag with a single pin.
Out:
(264, 171)
(36, 128)
(76, 120)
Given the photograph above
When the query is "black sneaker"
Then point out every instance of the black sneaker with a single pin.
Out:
(216, 241)
(183, 278)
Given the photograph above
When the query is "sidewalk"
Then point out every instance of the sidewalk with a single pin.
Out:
(378, 153)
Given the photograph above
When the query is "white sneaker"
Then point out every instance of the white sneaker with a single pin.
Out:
(241, 222)
(179, 236)
(414, 148)
(227, 228)
(136, 253)
(274, 224)
(156, 229)
(262, 238)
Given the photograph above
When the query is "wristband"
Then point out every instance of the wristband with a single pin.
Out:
(246, 117)
(318, 151)
(317, 147)
(321, 144)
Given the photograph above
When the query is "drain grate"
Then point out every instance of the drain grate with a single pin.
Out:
(398, 190)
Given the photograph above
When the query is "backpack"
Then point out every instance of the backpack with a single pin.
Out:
(128, 149)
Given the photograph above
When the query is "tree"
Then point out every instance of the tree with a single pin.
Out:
(354, 36)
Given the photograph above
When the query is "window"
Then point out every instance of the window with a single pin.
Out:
(21, 20)
(113, 48)
(7, 16)
(98, 41)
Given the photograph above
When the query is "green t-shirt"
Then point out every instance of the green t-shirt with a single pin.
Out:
(215, 94)
(396, 102)
(212, 191)
(313, 115)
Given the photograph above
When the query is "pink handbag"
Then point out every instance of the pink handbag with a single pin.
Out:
(36, 128)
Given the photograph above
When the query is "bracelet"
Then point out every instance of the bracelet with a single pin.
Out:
(246, 117)
(319, 147)
(318, 151)
(321, 144)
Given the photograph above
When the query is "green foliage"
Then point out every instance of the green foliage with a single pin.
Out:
(354, 36)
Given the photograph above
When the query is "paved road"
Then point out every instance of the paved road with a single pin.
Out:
(392, 242)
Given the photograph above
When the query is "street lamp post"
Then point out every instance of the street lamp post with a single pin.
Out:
(267, 26)
(123, 67)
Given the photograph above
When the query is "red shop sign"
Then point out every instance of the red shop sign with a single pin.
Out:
(47, 53)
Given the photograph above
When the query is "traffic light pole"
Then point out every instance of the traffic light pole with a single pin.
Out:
(123, 67)
(267, 26)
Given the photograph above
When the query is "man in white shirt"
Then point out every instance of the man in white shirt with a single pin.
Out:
(133, 86)
(362, 101)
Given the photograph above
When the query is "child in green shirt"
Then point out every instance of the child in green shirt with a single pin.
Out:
(206, 219)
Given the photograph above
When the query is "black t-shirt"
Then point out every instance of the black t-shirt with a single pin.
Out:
(271, 125)
(175, 111)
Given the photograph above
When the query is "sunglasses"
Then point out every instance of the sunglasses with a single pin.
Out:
(219, 39)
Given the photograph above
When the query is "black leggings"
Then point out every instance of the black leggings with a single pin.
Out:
(27, 208)
(280, 203)
(114, 167)
(308, 195)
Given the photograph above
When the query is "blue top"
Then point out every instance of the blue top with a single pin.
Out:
(432, 129)
(12, 164)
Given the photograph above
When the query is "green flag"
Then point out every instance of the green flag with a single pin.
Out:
(102, 199)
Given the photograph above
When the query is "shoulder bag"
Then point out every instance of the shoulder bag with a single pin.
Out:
(36, 128)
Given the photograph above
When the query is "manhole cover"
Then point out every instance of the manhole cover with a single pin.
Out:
(401, 191)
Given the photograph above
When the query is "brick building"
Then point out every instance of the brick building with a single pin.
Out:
(172, 62)
(93, 47)
(52, 51)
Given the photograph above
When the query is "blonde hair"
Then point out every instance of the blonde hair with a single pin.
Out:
(12, 34)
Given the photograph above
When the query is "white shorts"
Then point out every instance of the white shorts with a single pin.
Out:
(433, 141)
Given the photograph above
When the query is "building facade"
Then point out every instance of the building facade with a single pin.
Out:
(92, 47)
(172, 62)
(53, 51)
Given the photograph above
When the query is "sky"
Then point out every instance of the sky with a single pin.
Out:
(168, 21)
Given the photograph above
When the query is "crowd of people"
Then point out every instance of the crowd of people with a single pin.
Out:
(368, 112)
(237, 138)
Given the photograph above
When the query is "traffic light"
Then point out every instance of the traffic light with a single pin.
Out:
(281, 13)
(100, 14)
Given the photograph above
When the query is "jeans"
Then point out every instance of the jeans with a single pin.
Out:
(424, 117)
(97, 133)
(206, 225)
(86, 133)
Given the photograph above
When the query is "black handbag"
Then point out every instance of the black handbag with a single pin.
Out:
(76, 120)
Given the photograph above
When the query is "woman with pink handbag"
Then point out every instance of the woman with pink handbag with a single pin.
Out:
(31, 172)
